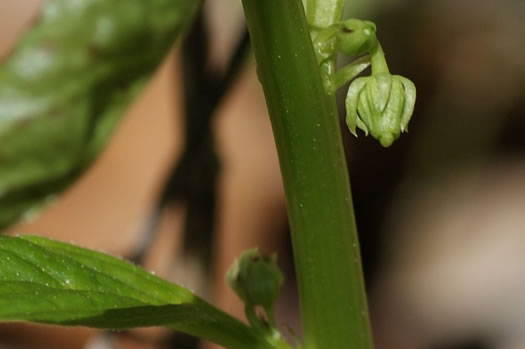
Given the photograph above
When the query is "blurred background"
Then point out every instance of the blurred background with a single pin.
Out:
(191, 178)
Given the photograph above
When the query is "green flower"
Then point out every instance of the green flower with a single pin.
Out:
(380, 104)
(355, 37)
(256, 279)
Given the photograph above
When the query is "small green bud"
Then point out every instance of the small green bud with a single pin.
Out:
(381, 104)
(355, 37)
(256, 279)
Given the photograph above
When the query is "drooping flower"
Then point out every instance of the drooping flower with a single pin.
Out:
(380, 104)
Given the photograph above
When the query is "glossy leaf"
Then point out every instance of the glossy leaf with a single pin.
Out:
(46, 281)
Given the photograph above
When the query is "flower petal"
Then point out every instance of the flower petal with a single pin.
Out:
(379, 86)
(352, 117)
(410, 101)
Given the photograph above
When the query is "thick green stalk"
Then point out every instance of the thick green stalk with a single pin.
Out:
(305, 124)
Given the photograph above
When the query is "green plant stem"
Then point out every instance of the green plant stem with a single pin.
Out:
(306, 129)
(323, 13)
(378, 61)
(348, 73)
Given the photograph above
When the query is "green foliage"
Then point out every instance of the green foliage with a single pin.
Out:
(61, 94)
(66, 84)
(46, 281)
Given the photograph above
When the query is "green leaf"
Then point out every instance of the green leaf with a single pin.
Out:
(66, 84)
(51, 282)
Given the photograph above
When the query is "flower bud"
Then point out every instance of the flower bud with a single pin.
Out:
(380, 104)
(355, 37)
(255, 278)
